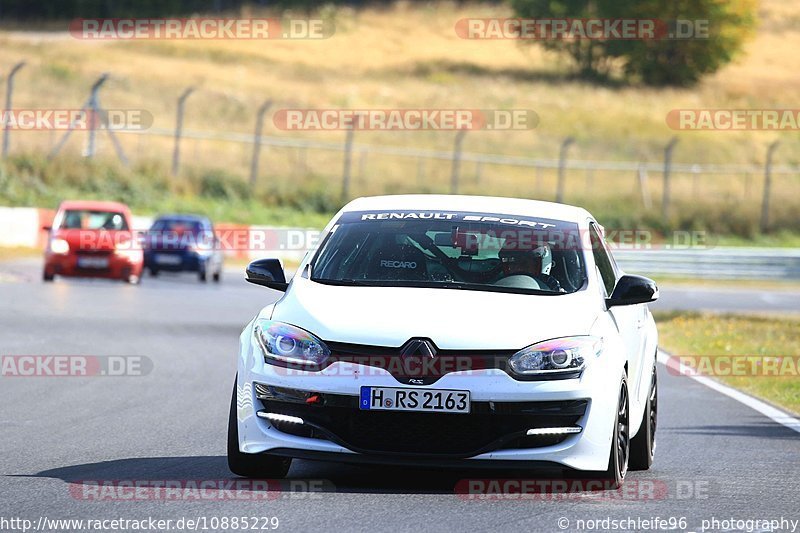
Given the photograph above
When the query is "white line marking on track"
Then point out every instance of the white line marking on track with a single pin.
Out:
(773, 413)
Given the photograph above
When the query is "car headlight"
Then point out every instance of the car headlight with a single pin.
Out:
(289, 344)
(59, 246)
(566, 355)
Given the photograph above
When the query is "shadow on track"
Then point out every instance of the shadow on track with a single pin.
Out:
(761, 430)
(337, 477)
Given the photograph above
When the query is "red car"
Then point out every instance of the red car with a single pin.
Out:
(93, 239)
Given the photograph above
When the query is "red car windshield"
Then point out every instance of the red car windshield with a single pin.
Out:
(86, 219)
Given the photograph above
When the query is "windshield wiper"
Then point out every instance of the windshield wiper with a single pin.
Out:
(346, 281)
(494, 288)
(457, 285)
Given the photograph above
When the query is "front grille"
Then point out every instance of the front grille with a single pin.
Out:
(424, 371)
(95, 253)
(490, 426)
(417, 370)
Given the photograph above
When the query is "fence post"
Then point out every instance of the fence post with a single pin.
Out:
(767, 187)
(94, 116)
(456, 166)
(9, 93)
(92, 106)
(643, 187)
(257, 141)
(176, 152)
(362, 165)
(665, 193)
(348, 156)
(562, 160)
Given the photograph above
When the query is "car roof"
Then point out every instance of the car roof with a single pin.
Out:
(94, 205)
(188, 218)
(463, 203)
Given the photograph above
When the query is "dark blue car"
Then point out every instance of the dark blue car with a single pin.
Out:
(177, 243)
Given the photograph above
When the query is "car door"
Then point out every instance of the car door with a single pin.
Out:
(629, 319)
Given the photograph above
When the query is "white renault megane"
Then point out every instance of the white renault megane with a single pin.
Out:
(450, 331)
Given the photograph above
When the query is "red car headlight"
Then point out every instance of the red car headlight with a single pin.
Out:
(59, 246)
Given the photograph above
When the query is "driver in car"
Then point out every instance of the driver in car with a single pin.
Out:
(535, 263)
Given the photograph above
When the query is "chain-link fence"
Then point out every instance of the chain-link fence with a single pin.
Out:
(363, 163)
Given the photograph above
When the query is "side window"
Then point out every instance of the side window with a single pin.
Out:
(602, 260)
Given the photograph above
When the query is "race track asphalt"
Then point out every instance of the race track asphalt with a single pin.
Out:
(716, 458)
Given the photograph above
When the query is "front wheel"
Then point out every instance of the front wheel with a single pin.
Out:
(248, 464)
(643, 445)
(46, 277)
(620, 442)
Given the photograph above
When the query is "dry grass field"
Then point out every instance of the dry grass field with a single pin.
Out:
(408, 56)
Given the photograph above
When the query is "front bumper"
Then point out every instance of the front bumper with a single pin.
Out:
(174, 260)
(493, 433)
(118, 265)
(490, 426)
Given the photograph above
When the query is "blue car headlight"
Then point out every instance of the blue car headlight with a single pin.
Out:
(289, 344)
(566, 355)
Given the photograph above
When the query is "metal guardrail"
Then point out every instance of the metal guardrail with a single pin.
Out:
(716, 263)
(699, 263)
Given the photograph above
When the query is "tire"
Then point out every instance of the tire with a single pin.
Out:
(47, 277)
(153, 273)
(643, 445)
(217, 276)
(201, 275)
(251, 465)
(620, 442)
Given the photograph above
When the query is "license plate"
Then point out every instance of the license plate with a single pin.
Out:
(427, 400)
(93, 262)
(164, 259)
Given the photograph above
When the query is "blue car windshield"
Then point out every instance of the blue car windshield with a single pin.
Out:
(177, 225)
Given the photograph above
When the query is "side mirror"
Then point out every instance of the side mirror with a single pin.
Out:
(267, 273)
(632, 289)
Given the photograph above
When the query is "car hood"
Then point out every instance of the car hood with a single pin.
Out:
(451, 318)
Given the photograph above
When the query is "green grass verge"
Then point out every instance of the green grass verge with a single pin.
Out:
(30, 180)
(738, 335)
(309, 201)
(18, 252)
(752, 284)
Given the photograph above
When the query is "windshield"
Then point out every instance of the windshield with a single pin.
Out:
(177, 225)
(478, 251)
(87, 219)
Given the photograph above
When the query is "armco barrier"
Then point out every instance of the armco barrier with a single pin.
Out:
(714, 263)
(21, 226)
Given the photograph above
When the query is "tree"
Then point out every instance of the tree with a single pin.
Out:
(589, 55)
(719, 29)
(684, 61)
